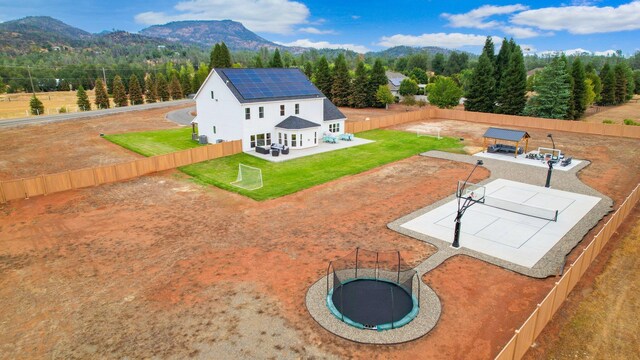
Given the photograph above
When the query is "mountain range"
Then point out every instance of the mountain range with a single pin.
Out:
(42, 33)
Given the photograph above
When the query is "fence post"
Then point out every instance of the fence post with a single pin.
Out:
(24, 189)
(70, 179)
(2, 198)
(95, 177)
(44, 185)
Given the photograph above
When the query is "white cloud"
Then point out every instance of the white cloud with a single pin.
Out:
(327, 45)
(355, 17)
(520, 32)
(447, 40)
(582, 19)
(605, 53)
(476, 17)
(313, 30)
(578, 51)
(271, 16)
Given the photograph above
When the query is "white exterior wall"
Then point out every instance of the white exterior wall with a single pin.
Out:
(223, 112)
(227, 114)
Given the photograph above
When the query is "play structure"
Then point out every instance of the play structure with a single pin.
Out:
(373, 290)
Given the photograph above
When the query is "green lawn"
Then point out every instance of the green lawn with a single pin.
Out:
(290, 176)
(149, 143)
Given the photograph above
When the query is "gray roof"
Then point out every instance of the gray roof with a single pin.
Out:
(268, 84)
(331, 112)
(506, 134)
(296, 123)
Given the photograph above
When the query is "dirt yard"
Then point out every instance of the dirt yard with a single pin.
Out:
(599, 318)
(43, 149)
(362, 114)
(17, 105)
(617, 114)
(160, 266)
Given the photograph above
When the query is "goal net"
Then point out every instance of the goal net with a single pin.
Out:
(435, 133)
(249, 178)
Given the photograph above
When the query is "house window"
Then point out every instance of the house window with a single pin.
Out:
(261, 112)
(297, 109)
(300, 140)
(214, 130)
(286, 142)
(293, 140)
(315, 138)
(212, 94)
(334, 128)
(260, 140)
(247, 113)
(281, 110)
(279, 138)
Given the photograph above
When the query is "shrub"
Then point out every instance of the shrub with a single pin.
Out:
(63, 110)
(408, 100)
(607, 121)
(421, 103)
(631, 122)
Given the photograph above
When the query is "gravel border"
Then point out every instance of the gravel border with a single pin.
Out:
(428, 316)
(430, 307)
(553, 262)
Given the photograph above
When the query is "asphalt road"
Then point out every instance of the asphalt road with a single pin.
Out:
(88, 114)
(181, 116)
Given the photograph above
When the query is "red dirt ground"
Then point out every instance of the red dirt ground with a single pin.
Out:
(159, 266)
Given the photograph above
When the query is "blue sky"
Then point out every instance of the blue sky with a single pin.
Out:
(596, 26)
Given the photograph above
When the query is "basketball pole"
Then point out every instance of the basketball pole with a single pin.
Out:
(461, 209)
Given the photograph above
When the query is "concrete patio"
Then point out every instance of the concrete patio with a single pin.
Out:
(321, 148)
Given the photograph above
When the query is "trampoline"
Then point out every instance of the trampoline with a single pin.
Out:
(373, 290)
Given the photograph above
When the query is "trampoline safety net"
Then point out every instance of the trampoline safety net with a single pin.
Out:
(384, 296)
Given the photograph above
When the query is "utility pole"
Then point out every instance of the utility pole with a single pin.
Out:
(31, 79)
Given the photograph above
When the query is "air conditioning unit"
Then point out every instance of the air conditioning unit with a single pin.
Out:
(194, 136)
(218, 141)
(203, 139)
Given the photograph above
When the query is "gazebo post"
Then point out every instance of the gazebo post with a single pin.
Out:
(515, 155)
(484, 143)
(526, 145)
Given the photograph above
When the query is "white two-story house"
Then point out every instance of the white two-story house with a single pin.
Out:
(265, 106)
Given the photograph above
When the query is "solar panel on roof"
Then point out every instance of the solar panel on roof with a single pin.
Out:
(270, 83)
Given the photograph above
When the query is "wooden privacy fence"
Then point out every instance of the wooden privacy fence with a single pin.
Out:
(532, 327)
(75, 179)
(495, 119)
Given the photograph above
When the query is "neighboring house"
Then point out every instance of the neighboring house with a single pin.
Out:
(394, 81)
(265, 106)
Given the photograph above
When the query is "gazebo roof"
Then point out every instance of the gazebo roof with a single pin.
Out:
(506, 134)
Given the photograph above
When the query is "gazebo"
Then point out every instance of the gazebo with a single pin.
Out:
(515, 136)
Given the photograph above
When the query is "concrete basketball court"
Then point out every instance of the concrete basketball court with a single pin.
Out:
(520, 239)
(522, 159)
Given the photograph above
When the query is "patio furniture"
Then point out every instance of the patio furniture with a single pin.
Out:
(277, 146)
(285, 150)
(509, 149)
(566, 161)
(275, 152)
(346, 136)
(262, 150)
(330, 139)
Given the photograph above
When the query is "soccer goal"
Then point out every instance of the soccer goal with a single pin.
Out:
(249, 178)
(435, 132)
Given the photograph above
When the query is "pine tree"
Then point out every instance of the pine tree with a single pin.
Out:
(323, 78)
(36, 106)
(135, 92)
(438, 65)
(621, 83)
(119, 94)
(502, 60)
(579, 89)
(308, 69)
(378, 78)
(513, 84)
(102, 99)
(83, 99)
(175, 90)
(553, 92)
(186, 73)
(608, 79)
(341, 88)
(150, 90)
(490, 50)
(276, 60)
(359, 95)
(162, 88)
(482, 88)
(597, 84)
(214, 56)
(225, 56)
(570, 106)
(257, 62)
